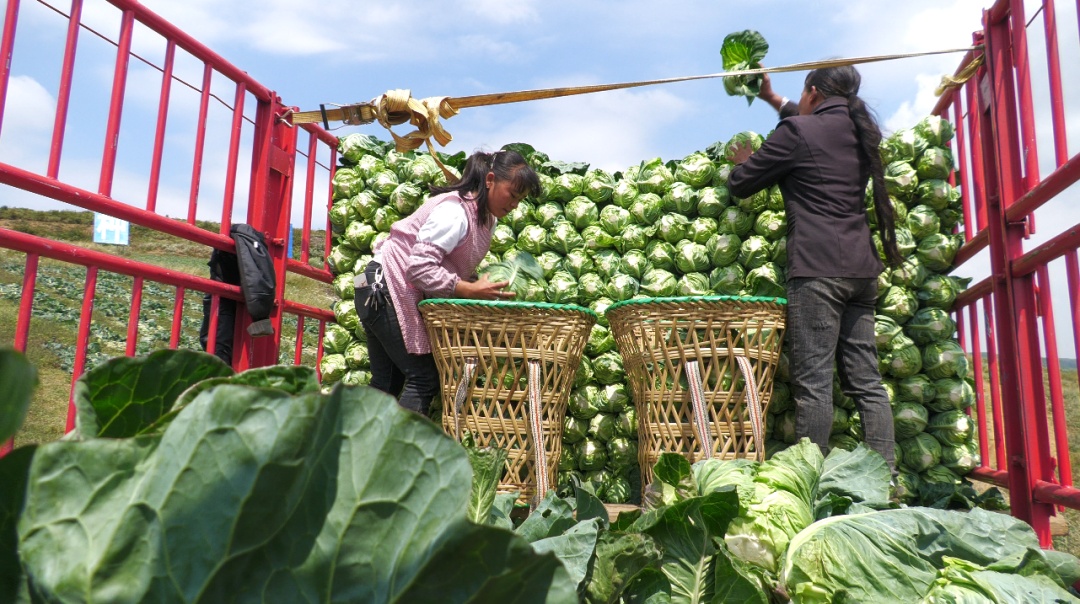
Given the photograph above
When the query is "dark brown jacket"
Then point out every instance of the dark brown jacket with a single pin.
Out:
(816, 161)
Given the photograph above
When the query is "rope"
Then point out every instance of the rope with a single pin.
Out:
(697, 402)
(462, 393)
(536, 430)
(753, 407)
(961, 76)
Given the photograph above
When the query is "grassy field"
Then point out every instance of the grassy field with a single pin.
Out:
(57, 306)
(58, 301)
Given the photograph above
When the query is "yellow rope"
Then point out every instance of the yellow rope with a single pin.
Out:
(961, 76)
(398, 106)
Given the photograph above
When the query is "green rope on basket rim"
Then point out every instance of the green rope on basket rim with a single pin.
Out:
(678, 299)
(510, 304)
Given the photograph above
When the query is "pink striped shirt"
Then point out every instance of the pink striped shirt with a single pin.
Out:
(415, 270)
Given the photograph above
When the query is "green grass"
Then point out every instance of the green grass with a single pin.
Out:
(58, 303)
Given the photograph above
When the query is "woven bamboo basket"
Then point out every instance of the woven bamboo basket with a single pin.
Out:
(496, 360)
(708, 348)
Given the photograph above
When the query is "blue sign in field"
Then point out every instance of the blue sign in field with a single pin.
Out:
(108, 229)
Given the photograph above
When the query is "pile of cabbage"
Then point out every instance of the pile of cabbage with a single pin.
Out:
(673, 229)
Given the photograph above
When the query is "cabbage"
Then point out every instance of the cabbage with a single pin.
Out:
(600, 340)
(583, 403)
(923, 221)
(951, 394)
(502, 238)
(658, 283)
(930, 325)
(550, 262)
(692, 284)
(384, 218)
(608, 262)
(935, 193)
(654, 177)
(701, 229)
(692, 257)
(696, 170)
(627, 424)
(599, 186)
(961, 458)
(354, 147)
(899, 304)
(520, 216)
(383, 183)
(885, 329)
(602, 427)
(771, 225)
(940, 291)
(673, 227)
(635, 263)
(343, 285)
(356, 355)
(590, 287)
(574, 430)
(566, 187)
(904, 362)
(370, 165)
(614, 220)
(600, 306)
(347, 182)
(754, 252)
(406, 197)
(935, 162)
(904, 145)
(784, 427)
(622, 453)
(634, 237)
(582, 212)
(911, 274)
(841, 421)
(680, 198)
(584, 374)
(341, 214)
(522, 271)
(723, 248)
(342, 258)
(952, 427)
(762, 531)
(937, 251)
(562, 288)
(920, 452)
(608, 368)
(727, 280)
(332, 368)
(423, 170)
(356, 377)
(366, 204)
(622, 287)
(647, 208)
(617, 489)
(733, 220)
(625, 193)
(712, 201)
(548, 214)
(336, 339)
(577, 262)
(945, 358)
(596, 238)
(747, 137)
(563, 237)
(940, 474)
(754, 204)
(661, 254)
(935, 130)
(916, 389)
(767, 281)
(901, 180)
(533, 239)
(909, 419)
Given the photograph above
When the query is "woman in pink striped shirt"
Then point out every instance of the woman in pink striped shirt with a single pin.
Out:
(434, 253)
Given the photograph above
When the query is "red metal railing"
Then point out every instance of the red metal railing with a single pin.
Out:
(1023, 435)
(274, 159)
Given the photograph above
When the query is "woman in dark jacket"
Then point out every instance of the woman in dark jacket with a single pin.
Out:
(822, 159)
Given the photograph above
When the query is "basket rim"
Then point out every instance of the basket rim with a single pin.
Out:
(509, 304)
(684, 299)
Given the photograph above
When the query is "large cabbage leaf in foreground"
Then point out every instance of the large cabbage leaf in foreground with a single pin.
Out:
(898, 555)
(254, 494)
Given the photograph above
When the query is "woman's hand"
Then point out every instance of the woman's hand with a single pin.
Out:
(482, 289)
(743, 151)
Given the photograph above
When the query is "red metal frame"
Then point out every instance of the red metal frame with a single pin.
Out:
(273, 150)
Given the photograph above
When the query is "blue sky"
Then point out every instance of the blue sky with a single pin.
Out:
(339, 52)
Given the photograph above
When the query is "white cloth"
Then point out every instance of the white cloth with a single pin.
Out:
(445, 227)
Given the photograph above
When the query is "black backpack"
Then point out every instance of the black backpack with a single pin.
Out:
(257, 281)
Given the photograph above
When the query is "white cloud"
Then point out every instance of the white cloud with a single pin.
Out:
(502, 12)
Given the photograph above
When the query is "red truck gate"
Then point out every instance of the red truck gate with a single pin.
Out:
(274, 163)
(1023, 437)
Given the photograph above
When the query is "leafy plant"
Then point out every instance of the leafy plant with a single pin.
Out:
(740, 51)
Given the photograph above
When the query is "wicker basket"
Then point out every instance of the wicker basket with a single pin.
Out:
(498, 359)
(689, 361)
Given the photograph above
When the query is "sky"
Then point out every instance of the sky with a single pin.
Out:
(339, 52)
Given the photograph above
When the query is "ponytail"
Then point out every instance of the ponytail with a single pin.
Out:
(844, 82)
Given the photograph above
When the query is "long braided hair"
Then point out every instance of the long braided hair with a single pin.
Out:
(844, 82)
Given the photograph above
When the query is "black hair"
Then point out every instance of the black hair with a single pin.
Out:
(506, 165)
(844, 82)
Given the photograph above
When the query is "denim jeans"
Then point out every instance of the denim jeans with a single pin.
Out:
(832, 321)
(412, 378)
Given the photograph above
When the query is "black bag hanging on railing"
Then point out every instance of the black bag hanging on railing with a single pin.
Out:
(223, 268)
(257, 281)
